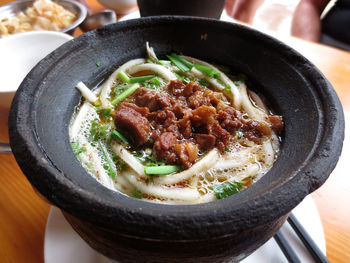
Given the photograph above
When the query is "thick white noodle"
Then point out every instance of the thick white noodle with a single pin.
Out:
(269, 153)
(150, 52)
(258, 101)
(86, 92)
(248, 107)
(78, 121)
(236, 100)
(185, 194)
(204, 164)
(107, 85)
(130, 160)
(163, 72)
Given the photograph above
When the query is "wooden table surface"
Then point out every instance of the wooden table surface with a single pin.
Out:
(23, 214)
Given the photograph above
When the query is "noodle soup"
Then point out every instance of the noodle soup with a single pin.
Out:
(175, 131)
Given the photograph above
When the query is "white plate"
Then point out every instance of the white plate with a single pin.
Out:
(63, 244)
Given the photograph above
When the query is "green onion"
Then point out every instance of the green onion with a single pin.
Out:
(226, 189)
(228, 88)
(178, 63)
(123, 77)
(106, 112)
(156, 81)
(76, 149)
(141, 79)
(237, 82)
(109, 167)
(207, 70)
(149, 60)
(98, 63)
(98, 103)
(125, 94)
(165, 169)
(183, 61)
(164, 62)
(137, 194)
(115, 134)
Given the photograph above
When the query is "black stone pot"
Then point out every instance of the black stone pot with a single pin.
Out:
(131, 230)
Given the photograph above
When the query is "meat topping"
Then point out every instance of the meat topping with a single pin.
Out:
(184, 119)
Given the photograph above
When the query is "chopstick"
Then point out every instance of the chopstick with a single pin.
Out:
(286, 248)
(311, 246)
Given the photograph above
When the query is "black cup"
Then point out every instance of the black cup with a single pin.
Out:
(202, 8)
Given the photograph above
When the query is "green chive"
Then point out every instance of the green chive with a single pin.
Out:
(137, 194)
(164, 62)
(141, 79)
(228, 88)
(183, 61)
(156, 81)
(165, 169)
(98, 63)
(106, 112)
(178, 63)
(115, 134)
(109, 167)
(125, 94)
(207, 70)
(123, 77)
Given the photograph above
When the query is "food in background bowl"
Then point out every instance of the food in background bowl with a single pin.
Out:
(174, 131)
(42, 15)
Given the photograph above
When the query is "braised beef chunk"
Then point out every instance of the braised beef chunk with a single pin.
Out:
(276, 123)
(185, 118)
(205, 141)
(132, 124)
(222, 136)
(152, 100)
(187, 153)
(164, 147)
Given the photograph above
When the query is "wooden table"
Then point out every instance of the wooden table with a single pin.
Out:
(23, 214)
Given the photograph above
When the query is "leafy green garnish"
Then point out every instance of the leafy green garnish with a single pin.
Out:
(98, 63)
(76, 149)
(228, 88)
(141, 79)
(137, 194)
(117, 135)
(209, 71)
(203, 82)
(226, 189)
(108, 166)
(164, 169)
(123, 77)
(180, 62)
(125, 94)
(98, 132)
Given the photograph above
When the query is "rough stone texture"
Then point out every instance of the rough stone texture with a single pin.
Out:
(227, 229)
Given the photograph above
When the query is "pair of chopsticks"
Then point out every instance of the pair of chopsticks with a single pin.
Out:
(310, 245)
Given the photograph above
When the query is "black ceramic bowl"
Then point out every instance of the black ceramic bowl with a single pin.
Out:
(203, 8)
(131, 230)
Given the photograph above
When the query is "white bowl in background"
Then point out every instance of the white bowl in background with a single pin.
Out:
(19, 53)
(120, 6)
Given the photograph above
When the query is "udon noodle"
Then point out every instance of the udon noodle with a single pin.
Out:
(175, 131)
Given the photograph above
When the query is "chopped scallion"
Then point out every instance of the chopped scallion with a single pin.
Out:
(125, 94)
(207, 70)
(165, 169)
(164, 62)
(123, 77)
(141, 79)
(178, 63)
(109, 166)
(156, 81)
(98, 63)
(183, 61)
(228, 88)
(137, 194)
(117, 135)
